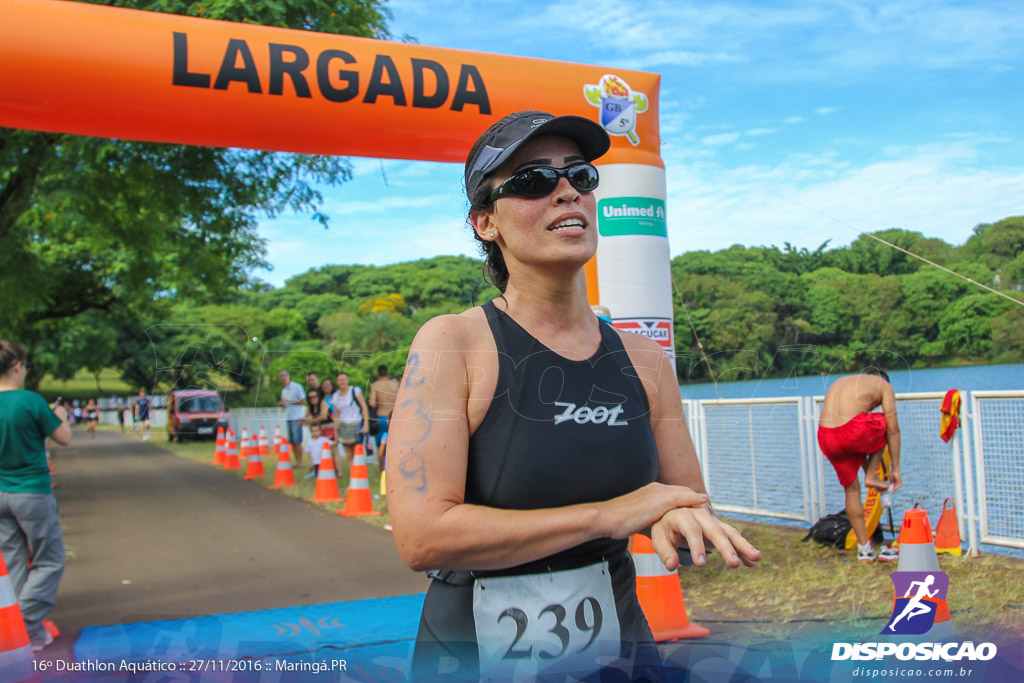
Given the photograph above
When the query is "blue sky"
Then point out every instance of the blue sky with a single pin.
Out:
(794, 122)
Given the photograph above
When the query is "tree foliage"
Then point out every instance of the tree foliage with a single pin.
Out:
(120, 228)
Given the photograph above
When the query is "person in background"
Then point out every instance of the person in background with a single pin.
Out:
(312, 381)
(292, 398)
(853, 437)
(383, 392)
(142, 406)
(91, 415)
(119, 407)
(351, 415)
(327, 426)
(29, 523)
(314, 446)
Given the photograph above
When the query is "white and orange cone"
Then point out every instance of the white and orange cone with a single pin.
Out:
(284, 477)
(219, 450)
(262, 446)
(17, 663)
(231, 454)
(661, 596)
(358, 503)
(917, 554)
(326, 480)
(254, 468)
(277, 438)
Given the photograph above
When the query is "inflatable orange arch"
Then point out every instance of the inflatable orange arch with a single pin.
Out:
(74, 67)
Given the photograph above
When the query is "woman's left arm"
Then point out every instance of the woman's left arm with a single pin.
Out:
(678, 465)
(366, 413)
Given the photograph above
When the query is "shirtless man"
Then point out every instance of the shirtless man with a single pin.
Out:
(382, 399)
(851, 436)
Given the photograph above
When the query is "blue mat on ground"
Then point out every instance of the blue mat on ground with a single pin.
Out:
(373, 633)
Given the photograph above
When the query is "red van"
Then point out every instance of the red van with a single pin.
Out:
(194, 414)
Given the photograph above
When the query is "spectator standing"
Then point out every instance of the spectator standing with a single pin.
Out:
(327, 391)
(351, 415)
(119, 407)
(29, 524)
(91, 414)
(382, 399)
(142, 406)
(292, 398)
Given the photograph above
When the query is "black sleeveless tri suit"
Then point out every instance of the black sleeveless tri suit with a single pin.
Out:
(558, 432)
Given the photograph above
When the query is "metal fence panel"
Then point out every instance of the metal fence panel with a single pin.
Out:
(753, 457)
(997, 419)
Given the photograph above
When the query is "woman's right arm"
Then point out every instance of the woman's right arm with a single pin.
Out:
(434, 527)
(62, 434)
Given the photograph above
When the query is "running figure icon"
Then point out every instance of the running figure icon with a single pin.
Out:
(915, 606)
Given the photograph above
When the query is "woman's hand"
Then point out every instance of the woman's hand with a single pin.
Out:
(694, 525)
(365, 429)
(635, 511)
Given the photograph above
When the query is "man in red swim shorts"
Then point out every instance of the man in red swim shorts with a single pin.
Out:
(851, 436)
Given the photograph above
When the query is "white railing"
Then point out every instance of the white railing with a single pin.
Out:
(760, 457)
(997, 420)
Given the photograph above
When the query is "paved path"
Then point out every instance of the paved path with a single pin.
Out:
(154, 536)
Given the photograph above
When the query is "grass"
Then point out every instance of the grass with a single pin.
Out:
(793, 584)
(83, 386)
(202, 453)
(796, 582)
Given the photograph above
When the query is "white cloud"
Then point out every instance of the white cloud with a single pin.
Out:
(793, 119)
(723, 139)
(760, 131)
(823, 111)
(934, 189)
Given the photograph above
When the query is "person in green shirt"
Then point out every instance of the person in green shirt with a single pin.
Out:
(29, 524)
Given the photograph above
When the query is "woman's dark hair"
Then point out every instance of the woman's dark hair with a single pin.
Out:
(319, 400)
(495, 270)
(10, 353)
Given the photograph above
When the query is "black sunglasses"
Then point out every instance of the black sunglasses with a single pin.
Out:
(541, 181)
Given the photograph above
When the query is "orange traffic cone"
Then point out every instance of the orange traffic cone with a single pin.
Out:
(254, 469)
(219, 450)
(326, 480)
(359, 502)
(277, 438)
(283, 477)
(661, 596)
(231, 454)
(947, 531)
(263, 447)
(917, 554)
(16, 659)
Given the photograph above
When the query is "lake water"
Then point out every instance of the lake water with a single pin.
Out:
(972, 378)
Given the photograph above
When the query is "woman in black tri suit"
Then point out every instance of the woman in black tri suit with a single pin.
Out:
(530, 440)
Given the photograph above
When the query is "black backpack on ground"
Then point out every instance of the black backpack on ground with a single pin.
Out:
(831, 530)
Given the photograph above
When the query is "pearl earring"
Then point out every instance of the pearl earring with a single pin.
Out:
(491, 234)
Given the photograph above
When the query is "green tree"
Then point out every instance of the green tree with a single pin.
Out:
(117, 226)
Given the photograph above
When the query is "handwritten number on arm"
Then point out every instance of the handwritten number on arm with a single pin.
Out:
(422, 415)
(411, 380)
(414, 469)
